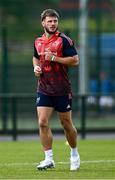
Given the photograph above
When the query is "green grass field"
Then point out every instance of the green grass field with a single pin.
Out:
(18, 160)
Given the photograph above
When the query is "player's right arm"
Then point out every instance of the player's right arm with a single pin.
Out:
(37, 68)
(36, 65)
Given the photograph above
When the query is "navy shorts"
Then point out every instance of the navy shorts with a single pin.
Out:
(59, 103)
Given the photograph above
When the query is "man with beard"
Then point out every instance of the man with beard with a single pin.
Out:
(54, 52)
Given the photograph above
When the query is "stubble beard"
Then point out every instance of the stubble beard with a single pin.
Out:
(50, 32)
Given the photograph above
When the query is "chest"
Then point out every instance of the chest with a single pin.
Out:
(55, 46)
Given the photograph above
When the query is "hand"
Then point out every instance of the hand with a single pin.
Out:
(37, 70)
(48, 56)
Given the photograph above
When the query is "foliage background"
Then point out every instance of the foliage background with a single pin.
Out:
(21, 21)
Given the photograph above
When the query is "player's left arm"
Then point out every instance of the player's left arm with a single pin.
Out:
(69, 61)
(70, 56)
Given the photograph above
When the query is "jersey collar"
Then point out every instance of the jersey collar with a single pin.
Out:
(51, 38)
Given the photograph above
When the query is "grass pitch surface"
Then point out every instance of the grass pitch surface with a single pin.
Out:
(18, 160)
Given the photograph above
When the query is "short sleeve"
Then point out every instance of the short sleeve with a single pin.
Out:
(68, 47)
(35, 53)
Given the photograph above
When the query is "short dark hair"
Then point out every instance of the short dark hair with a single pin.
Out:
(49, 12)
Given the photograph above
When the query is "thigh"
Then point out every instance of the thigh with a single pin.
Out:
(66, 119)
(65, 116)
(44, 114)
(44, 107)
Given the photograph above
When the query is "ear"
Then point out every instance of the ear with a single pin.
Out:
(43, 23)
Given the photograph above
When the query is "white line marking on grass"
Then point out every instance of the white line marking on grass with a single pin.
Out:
(61, 162)
(18, 164)
(99, 161)
(92, 161)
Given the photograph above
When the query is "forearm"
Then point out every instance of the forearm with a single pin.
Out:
(37, 68)
(35, 62)
(69, 61)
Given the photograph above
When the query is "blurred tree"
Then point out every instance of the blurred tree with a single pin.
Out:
(104, 6)
(22, 9)
(22, 16)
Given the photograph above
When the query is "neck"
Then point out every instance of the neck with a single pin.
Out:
(48, 35)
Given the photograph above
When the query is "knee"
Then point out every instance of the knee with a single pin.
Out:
(66, 124)
(43, 124)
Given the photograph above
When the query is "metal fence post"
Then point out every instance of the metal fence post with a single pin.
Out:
(4, 77)
(14, 119)
(83, 116)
